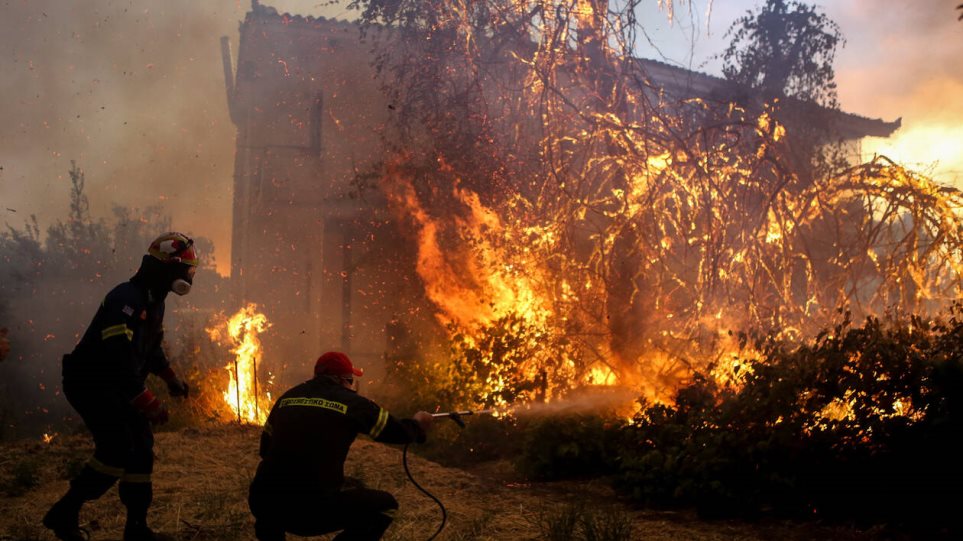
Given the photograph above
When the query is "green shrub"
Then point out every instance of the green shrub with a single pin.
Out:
(861, 424)
(566, 446)
(24, 476)
(75, 262)
(484, 438)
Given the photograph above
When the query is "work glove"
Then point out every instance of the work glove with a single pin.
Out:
(151, 407)
(424, 420)
(175, 385)
(420, 423)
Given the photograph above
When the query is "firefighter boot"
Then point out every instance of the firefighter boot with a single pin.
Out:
(371, 528)
(137, 498)
(64, 517)
(268, 531)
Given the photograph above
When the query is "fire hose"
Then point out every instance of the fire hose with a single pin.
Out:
(455, 416)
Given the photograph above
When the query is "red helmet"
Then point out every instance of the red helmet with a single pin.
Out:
(174, 248)
(335, 363)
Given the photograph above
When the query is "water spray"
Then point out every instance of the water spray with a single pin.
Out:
(455, 416)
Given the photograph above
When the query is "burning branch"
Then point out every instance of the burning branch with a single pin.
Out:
(570, 215)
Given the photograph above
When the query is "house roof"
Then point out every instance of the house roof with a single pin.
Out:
(674, 80)
(681, 81)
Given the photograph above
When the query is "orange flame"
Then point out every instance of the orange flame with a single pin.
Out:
(478, 287)
(623, 251)
(247, 396)
(498, 273)
(601, 375)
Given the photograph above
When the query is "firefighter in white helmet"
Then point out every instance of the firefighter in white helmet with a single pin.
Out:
(104, 380)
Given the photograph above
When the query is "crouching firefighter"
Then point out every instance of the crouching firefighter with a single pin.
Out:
(103, 379)
(300, 486)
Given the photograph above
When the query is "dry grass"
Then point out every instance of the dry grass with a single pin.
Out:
(202, 475)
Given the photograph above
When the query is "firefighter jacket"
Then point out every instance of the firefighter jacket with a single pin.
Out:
(122, 344)
(309, 430)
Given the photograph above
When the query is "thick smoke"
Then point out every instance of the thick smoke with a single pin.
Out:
(50, 288)
(129, 91)
(902, 58)
(905, 59)
(134, 93)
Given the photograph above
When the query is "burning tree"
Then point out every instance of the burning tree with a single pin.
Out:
(786, 49)
(577, 223)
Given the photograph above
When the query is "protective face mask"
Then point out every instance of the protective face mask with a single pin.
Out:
(181, 287)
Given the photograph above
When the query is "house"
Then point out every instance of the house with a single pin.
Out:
(319, 254)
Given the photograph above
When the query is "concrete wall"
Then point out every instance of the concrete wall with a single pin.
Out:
(321, 256)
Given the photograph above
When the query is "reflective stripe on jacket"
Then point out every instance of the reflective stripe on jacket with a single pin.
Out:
(121, 345)
(310, 429)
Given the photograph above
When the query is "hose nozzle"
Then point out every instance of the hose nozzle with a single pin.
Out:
(456, 416)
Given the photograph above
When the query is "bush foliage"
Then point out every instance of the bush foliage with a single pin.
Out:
(567, 446)
(863, 423)
(51, 283)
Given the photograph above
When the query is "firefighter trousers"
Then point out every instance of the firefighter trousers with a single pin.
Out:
(123, 450)
(361, 514)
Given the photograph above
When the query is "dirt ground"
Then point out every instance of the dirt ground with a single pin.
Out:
(201, 478)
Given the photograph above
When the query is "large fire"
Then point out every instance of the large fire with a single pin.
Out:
(246, 394)
(579, 228)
